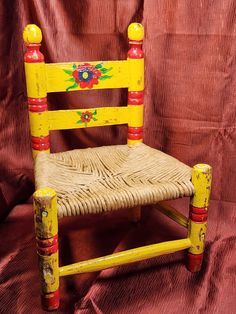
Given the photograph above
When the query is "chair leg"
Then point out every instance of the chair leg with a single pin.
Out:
(46, 228)
(135, 214)
(201, 179)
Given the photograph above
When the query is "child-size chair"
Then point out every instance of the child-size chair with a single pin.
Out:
(95, 180)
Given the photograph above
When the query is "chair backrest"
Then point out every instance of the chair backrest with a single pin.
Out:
(43, 78)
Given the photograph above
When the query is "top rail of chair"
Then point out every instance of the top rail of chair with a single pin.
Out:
(43, 78)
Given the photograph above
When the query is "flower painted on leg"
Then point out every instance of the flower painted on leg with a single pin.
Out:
(87, 75)
(87, 116)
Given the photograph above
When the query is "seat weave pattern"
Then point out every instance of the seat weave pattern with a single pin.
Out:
(94, 180)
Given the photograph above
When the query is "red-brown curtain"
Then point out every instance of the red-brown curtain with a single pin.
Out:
(190, 113)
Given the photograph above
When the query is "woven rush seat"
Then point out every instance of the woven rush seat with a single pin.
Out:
(94, 180)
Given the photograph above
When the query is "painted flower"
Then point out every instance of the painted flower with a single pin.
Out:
(87, 75)
(87, 116)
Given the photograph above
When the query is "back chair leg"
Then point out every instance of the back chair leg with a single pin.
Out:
(135, 214)
(201, 179)
(46, 228)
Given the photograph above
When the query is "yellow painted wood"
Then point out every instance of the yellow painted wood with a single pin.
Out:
(125, 257)
(135, 31)
(135, 115)
(133, 142)
(45, 208)
(36, 152)
(197, 234)
(136, 68)
(46, 226)
(71, 119)
(49, 272)
(39, 124)
(173, 213)
(57, 79)
(35, 80)
(50, 77)
(32, 34)
(201, 179)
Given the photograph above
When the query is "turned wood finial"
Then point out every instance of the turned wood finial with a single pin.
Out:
(135, 32)
(32, 34)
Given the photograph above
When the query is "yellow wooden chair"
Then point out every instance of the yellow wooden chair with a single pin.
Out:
(107, 178)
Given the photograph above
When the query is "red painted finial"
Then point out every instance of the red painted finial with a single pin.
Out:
(32, 36)
(135, 35)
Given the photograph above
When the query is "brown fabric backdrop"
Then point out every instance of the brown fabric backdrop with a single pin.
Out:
(190, 113)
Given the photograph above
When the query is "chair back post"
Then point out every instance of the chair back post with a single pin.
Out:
(135, 91)
(36, 89)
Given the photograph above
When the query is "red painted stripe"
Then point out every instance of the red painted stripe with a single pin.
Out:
(51, 301)
(135, 133)
(33, 55)
(40, 143)
(198, 217)
(137, 136)
(135, 98)
(198, 214)
(197, 210)
(194, 262)
(39, 140)
(135, 51)
(135, 130)
(37, 104)
(47, 242)
(45, 251)
(135, 42)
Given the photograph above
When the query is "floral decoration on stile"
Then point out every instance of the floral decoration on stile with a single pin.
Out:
(87, 75)
(86, 117)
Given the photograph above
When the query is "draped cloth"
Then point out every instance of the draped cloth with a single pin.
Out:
(190, 79)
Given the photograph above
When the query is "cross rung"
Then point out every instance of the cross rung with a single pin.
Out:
(125, 257)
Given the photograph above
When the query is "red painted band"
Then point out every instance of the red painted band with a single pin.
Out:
(136, 94)
(40, 143)
(137, 136)
(41, 147)
(37, 101)
(135, 42)
(135, 133)
(37, 104)
(135, 51)
(135, 101)
(198, 218)
(46, 251)
(39, 140)
(135, 98)
(51, 301)
(135, 130)
(194, 262)
(47, 242)
(197, 210)
(38, 108)
(33, 55)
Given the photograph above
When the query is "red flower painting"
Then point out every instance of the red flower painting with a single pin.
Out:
(87, 75)
(86, 117)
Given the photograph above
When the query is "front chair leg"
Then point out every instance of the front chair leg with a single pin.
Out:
(46, 228)
(201, 179)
